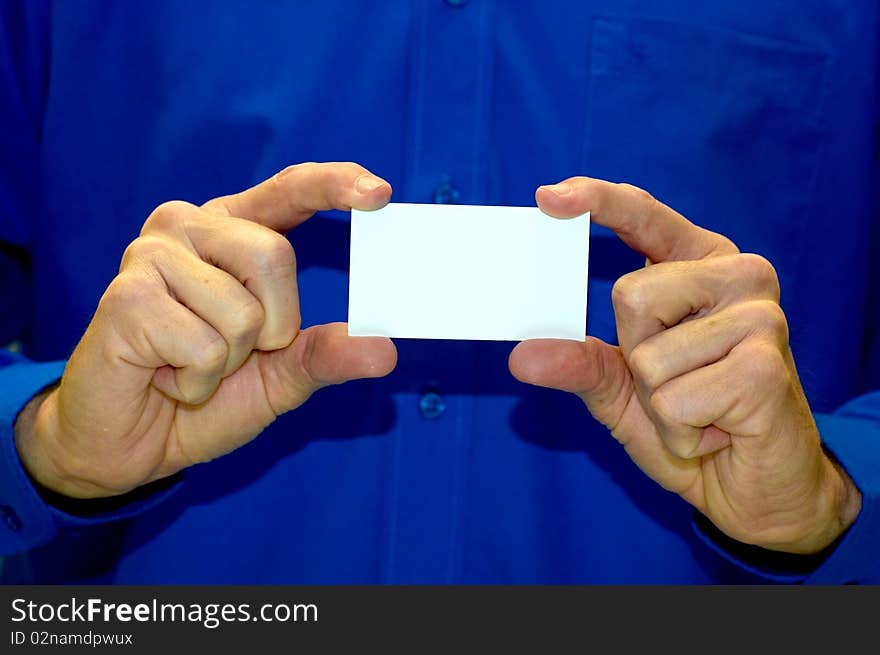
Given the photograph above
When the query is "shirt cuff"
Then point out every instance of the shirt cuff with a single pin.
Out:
(29, 515)
(854, 441)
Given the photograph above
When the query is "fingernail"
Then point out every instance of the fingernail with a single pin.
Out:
(366, 183)
(559, 189)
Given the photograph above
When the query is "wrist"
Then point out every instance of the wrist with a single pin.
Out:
(846, 497)
(36, 431)
(837, 507)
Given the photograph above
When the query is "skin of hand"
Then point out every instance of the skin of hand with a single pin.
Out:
(702, 391)
(196, 345)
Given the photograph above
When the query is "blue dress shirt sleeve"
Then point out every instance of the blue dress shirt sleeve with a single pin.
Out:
(27, 521)
(31, 516)
(852, 437)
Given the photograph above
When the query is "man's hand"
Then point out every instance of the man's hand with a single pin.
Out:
(702, 390)
(196, 345)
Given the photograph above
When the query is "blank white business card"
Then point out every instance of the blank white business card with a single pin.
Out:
(467, 272)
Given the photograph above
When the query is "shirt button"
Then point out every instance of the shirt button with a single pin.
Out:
(456, 3)
(432, 405)
(10, 518)
(445, 194)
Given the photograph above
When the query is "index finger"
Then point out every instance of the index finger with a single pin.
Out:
(643, 223)
(291, 196)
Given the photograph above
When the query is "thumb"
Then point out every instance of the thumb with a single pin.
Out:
(320, 356)
(592, 369)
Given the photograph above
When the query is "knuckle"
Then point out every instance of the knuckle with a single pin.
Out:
(281, 337)
(126, 291)
(247, 320)
(665, 406)
(331, 168)
(772, 317)
(644, 364)
(723, 245)
(144, 248)
(760, 379)
(629, 297)
(274, 256)
(310, 170)
(768, 369)
(642, 202)
(641, 196)
(677, 437)
(167, 217)
(352, 169)
(212, 354)
(760, 269)
(293, 169)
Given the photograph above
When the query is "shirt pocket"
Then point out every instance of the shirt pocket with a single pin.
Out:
(726, 127)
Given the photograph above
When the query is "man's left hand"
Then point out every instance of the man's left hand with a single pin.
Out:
(702, 390)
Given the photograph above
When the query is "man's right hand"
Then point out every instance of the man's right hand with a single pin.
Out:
(196, 345)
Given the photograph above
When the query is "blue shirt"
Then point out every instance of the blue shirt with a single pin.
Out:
(754, 119)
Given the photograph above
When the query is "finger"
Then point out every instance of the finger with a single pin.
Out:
(644, 224)
(188, 354)
(216, 297)
(323, 355)
(685, 441)
(263, 261)
(737, 393)
(740, 394)
(652, 299)
(592, 369)
(597, 373)
(291, 196)
(689, 443)
(703, 341)
(259, 258)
